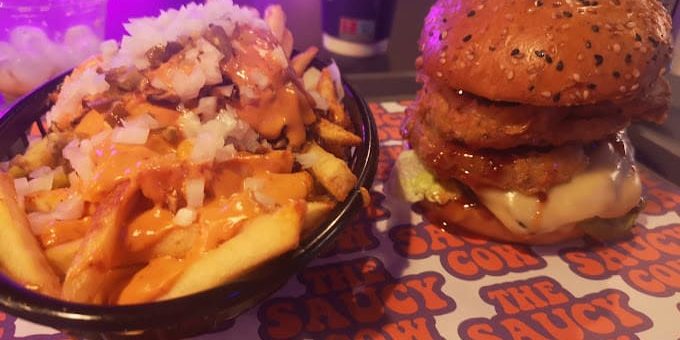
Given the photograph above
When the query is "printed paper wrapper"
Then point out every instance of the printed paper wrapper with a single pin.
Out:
(393, 275)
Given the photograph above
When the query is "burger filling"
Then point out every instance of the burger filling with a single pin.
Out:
(602, 199)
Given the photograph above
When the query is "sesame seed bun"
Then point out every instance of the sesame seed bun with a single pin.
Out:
(479, 220)
(547, 52)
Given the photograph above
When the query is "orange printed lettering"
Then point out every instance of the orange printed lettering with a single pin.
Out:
(441, 239)
(644, 281)
(425, 287)
(521, 331)
(364, 312)
(323, 316)
(614, 260)
(405, 305)
(587, 266)
(284, 323)
(458, 261)
(568, 329)
(408, 329)
(482, 331)
(599, 324)
(612, 303)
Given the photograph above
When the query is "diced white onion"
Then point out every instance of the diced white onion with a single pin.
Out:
(184, 217)
(73, 179)
(207, 107)
(144, 121)
(72, 208)
(226, 153)
(206, 145)
(80, 160)
(21, 186)
(320, 101)
(194, 190)
(337, 79)
(43, 183)
(39, 172)
(39, 221)
(130, 135)
(307, 160)
(189, 124)
(255, 186)
(311, 78)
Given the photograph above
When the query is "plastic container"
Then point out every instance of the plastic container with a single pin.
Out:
(42, 38)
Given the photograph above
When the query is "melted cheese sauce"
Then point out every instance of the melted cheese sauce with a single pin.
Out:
(610, 187)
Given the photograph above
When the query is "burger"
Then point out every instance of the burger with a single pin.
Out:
(518, 132)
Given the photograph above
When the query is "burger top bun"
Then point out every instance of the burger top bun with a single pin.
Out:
(546, 52)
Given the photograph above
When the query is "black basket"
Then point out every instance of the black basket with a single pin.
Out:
(206, 311)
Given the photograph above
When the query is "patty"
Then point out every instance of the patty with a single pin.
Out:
(527, 170)
(479, 123)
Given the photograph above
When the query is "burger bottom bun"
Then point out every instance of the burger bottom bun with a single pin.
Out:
(479, 220)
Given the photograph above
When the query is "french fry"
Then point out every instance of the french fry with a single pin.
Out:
(261, 239)
(21, 256)
(315, 214)
(302, 60)
(61, 256)
(332, 172)
(152, 281)
(335, 134)
(176, 243)
(100, 246)
(326, 88)
(45, 201)
(92, 123)
(276, 20)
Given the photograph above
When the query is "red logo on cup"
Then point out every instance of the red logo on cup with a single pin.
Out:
(540, 308)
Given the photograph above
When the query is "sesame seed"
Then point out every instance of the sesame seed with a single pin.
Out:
(630, 24)
(579, 57)
(509, 16)
(628, 76)
(538, 3)
(616, 74)
(531, 88)
(560, 65)
(567, 14)
(595, 28)
(576, 76)
(439, 74)
(638, 37)
(636, 73)
(471, 13)
(622, 88)
(591, 86)
(443, 35)
(616, 48)
(442, 61)
(548, 59)
(598, 60)
(539, 53)
(589, 44)
(546, 94)
(470, 56)
(586, 94)
(510, 75)
(467, 38)
(628, 59)
(514, 52)
(634, 87)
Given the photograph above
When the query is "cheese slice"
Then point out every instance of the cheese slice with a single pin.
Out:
(608, 188)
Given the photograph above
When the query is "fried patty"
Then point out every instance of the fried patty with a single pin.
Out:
(479, 123)
(527, 170)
